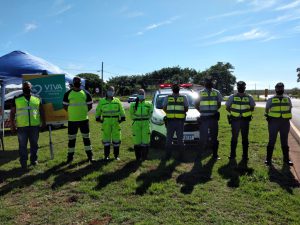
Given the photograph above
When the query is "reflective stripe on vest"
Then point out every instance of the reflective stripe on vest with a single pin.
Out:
(143, 110)
(28, 112)
(175, 108)
(240, 106)
(110, 108)
(77, 107)
(280, 108)
(209, 102)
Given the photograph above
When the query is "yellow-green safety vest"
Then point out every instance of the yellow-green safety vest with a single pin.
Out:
(77, 106)
(280, 108)
(208, 102)
(240, 106)
(143, 111)
(175, 107)
(110, 108)
(28, 112)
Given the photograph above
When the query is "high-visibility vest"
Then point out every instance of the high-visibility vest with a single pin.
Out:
(240, 106)
(175, 107)
(208, 102)
(143, 111)
(77, 106)
(109, 108)
(280, 108)
(28, 112)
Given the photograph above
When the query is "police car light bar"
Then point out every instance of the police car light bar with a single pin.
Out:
(167, 85)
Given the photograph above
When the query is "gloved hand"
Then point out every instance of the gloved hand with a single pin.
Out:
(122, 119)
(267, 117)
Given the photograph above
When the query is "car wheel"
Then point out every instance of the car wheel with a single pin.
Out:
(157, 141)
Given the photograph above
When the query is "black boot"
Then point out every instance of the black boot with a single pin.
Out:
(90, 156)
(233, 150)
(145, 150)
(268, 161)
(106, 152)
(137, 151)
(70, 157)
(245, 151)
(116, 152)
(215, 151)
(286, 159)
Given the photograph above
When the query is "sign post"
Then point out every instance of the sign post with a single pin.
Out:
(266, 94)
(51, 89)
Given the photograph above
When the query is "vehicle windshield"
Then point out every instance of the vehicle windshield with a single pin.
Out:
(191, 97)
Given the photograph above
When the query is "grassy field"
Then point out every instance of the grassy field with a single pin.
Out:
(152, 192)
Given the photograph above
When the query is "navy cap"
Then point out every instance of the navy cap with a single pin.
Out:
(241, 84)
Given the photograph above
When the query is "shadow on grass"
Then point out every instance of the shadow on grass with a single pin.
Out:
(162, 173)
(77, 175)
(31, 179)
(8, 156)
(117, 175)
(199, 174)
(283, 177)
(232, 171)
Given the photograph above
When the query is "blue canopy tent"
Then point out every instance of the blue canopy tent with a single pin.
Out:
(17, 63)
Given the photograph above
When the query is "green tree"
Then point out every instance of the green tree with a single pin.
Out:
(92, 81)
(222, 73)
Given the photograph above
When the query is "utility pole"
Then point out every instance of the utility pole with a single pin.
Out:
(102, 80)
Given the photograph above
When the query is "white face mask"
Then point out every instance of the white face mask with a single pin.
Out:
(110, 93)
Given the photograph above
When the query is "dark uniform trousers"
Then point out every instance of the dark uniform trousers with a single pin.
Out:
(174, 125)
(282, 126)
(208, 123)
(237, 125)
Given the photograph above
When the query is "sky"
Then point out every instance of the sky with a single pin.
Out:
(260, 38)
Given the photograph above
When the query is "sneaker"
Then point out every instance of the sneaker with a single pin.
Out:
(117, 158)
(34, 163)
(289, 162)
(216, 157)
(106, 158)
(268, 162)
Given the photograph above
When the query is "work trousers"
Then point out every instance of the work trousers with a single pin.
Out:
(209, 127)
(30, 133)
(73, 127)
(174, 126)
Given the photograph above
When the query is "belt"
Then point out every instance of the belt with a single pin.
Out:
(140, 119)
(110, 116)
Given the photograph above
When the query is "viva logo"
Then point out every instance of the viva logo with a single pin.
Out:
(48, 87)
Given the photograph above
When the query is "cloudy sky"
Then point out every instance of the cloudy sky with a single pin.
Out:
(261, 38)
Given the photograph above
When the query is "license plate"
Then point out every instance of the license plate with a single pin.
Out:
(188, 137)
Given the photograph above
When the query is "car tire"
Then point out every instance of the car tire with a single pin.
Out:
(157, 141)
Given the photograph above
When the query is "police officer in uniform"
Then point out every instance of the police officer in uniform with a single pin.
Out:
(28, 111)
(78, 103)
(140, 113)
(240, 106)
(110, 113)
(175, 107)
(208, 105)
(278, 113)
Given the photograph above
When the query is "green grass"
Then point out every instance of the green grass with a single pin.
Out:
(153, 192)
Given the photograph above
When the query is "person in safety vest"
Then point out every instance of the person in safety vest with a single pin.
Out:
(28, 111)
(208, 105)
(278, 115)
(110, 113)
(175, 107)
(240, 106)
(140, 113)
(78, 102)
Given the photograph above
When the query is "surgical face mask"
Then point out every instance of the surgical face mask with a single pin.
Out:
(141, 97)
(110, 93)
(77, 84)
(26, 91)
(280, 92)
(241, 89)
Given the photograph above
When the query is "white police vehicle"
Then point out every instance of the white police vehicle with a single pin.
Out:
(191, 128)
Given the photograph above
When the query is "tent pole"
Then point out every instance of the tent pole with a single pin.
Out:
(50, 143)
(2, 113)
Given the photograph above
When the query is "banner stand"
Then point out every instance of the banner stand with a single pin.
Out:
(50, 143)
